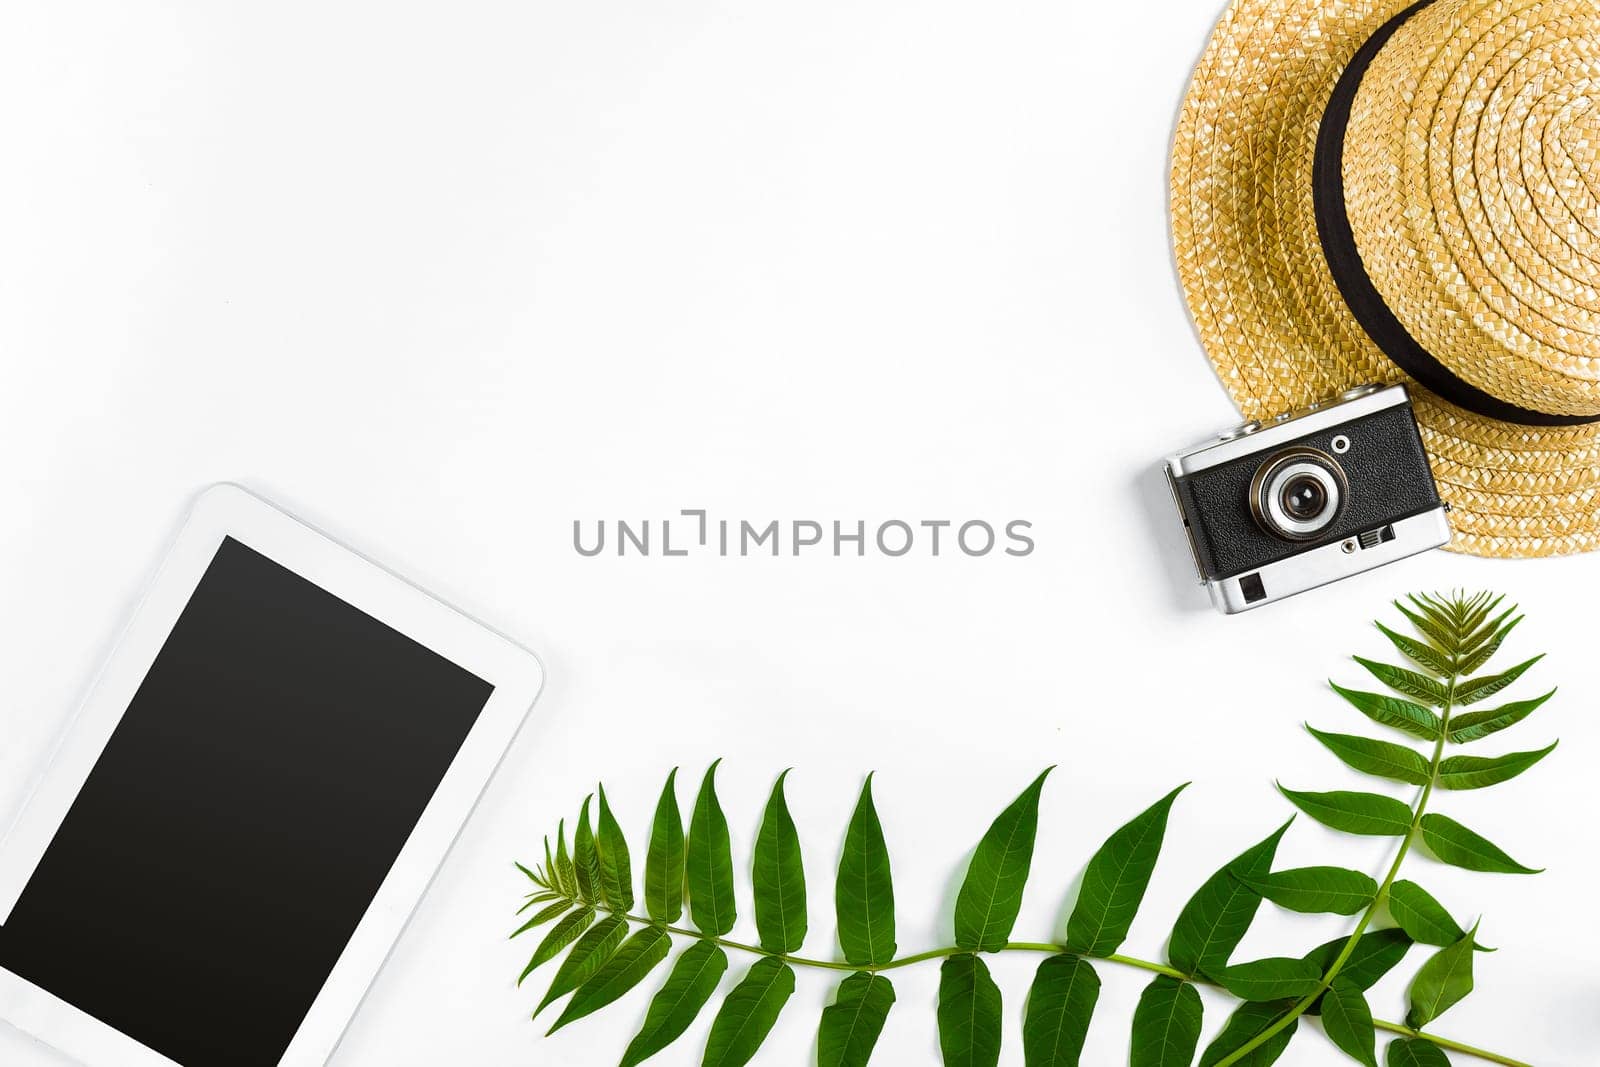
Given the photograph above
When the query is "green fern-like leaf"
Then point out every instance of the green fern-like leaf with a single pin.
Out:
(1060, 1006)
(1166, 1024)
(709, 862)
(664, 862)
(583, 899)
(749, 1013)
(779, 877)
(1115, 881)
(969, 1013)
(852, 1023)
(991, 895)
(864, 895)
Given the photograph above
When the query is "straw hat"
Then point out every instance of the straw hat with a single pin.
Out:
(1369, 191)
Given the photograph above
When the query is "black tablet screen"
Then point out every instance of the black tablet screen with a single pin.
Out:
(254, 796)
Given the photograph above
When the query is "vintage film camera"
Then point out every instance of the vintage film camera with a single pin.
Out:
(1275, 508)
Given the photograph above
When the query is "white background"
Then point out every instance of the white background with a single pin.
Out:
(442, 279)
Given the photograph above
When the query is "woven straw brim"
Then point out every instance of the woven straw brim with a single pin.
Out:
(1268, 311)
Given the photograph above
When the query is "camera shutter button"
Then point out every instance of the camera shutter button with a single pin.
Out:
(1242, 430)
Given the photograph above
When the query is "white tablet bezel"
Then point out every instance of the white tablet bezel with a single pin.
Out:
(229, 511)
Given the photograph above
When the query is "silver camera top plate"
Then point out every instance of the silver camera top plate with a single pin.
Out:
(1252, 437)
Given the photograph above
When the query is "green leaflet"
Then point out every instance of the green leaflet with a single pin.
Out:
(1422, 917)
(1421, 653)
(588, 955)
(1116, 879)
(566, 876)
(1471, 626)
(1483, 688)
(1415, 1052)
(1478, 772)
(1347, 1021)
(1480, 604)
(616, 869)
(551, 873)
(1483, 613)
(1248, 1020)
(1383, 759)
(1216, 918)
(638, 956)
(1060, 1006)
(1476, 610)
(533, 900)
(750, 1011)
(1454, 844)
(969, 1013)
(1435, 629)
(864, 893)
(1478, 657)
(693, 979)
(991, 894)
(1374, 956)
(585, 858)
(709, 862)
(1441, 982)
(543, 916)
(560, 936)
(1474, 629)
(1316, 889)
(852, 1023)
(780, 879)
(1475, 725)
(1274, 978)
(663, 862)
(1166, 1024)
(1354, 813)
(1402, 715)
(1446, 611)
(1409, 683)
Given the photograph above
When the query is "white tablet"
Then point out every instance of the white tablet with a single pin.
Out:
(250, 803)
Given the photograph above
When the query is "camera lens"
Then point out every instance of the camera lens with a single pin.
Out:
(1297, 494)
(1303, 497)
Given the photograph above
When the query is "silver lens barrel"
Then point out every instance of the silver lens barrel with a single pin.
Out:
(1297, 494)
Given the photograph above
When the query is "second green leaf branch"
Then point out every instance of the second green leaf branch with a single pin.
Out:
(1455, 637)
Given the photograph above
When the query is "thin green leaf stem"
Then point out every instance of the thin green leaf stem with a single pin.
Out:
(1049, 948)
(1446, 1043)
(1300, 1006)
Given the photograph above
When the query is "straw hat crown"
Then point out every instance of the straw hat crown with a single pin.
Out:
(1471, 186)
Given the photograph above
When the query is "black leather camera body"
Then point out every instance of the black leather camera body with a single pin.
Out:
(1276, 508)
